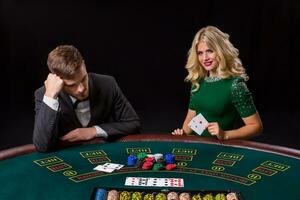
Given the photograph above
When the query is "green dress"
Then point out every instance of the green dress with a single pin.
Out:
(223, 101)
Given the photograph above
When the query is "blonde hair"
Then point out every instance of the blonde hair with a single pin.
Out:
(229, 63)
(64, 61)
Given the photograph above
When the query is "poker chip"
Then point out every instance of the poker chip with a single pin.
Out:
(149, 159)
(184, 196)
(149, 197)
(141, 156)
(160, 196)
(113, 195)
(136, 196)
(208, 197)
(125, 195)
(131, 160)
(170, 159)
(147, 165)
(101, 194)
(170, 166)
(197, 197)
(159, 158)
(231, 196)
(220, 196)
(157, 166)
(172, 196)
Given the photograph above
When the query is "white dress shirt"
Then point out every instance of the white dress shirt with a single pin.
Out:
(82, 112)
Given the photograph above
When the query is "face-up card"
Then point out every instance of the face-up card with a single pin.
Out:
(198, 124)
(143, 182)
(156, 182)
(104, 169)
(131, 181)
(113, 165)
(176, 182)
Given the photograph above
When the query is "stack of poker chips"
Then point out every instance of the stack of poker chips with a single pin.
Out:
(102, 194)
(152, 161)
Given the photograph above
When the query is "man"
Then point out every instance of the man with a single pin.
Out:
(74, 105)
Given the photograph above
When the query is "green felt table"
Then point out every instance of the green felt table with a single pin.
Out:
(255, 170)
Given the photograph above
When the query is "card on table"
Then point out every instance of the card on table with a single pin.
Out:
(154, 182)
(198, 124)
(113, 165)
(108, 167)
(104, 169)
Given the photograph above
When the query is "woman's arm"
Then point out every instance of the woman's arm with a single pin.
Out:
(253, 127)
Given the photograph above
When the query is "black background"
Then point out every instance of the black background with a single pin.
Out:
(144, 46)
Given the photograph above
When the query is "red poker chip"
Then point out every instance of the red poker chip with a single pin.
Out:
(149, 159)
(147, 165)
(170, 166)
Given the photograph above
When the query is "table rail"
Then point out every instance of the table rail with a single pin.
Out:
(285, 151)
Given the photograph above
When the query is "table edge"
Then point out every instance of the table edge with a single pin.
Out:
(285, 151)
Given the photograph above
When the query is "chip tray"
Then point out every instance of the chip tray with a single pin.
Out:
(145, 191)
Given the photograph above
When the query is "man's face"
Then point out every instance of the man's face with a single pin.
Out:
(78, 86)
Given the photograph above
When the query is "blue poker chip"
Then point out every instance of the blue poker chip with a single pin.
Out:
(101, 194)
(132, 160)
(170, 158)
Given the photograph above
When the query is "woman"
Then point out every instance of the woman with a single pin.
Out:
(219, 91)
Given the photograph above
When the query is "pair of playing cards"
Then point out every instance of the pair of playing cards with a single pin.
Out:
(154, 182)
(108, 167)
(198, 124)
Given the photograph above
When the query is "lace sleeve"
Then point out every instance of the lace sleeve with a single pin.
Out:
(242, 98)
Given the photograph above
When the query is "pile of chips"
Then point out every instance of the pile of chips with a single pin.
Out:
(103, 194)
(152, 161)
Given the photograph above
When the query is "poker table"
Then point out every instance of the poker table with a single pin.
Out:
(254, 170)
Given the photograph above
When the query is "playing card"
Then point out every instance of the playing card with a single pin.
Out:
(176, 182)
(198, 124)
(131, 181)
(113, 165)
(156, 182)
(143, 181)
(104, 169)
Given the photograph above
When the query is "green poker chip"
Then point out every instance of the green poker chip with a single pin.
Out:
(160, 196)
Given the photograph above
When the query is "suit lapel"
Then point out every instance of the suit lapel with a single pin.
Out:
(66, 100)
(93, 98)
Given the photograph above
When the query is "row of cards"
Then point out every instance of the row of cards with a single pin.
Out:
(154, 182)
(141, 181)
(108, 167)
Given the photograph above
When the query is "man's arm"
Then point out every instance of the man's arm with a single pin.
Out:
(45, 125)
(46, 118)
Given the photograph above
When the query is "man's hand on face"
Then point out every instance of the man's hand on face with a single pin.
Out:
(53, 85)
(80, 134)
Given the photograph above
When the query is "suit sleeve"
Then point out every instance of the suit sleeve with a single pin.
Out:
(125, 120)
(45, 131)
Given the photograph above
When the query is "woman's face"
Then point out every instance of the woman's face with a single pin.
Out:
(207, 57)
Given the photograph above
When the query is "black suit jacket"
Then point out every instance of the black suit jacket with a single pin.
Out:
(108, 106)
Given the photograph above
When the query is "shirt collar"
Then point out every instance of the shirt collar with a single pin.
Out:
(73, 99)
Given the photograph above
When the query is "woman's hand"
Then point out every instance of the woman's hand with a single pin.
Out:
(214, 129)
(178, 132)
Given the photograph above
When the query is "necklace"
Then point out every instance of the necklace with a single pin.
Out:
(212, 79)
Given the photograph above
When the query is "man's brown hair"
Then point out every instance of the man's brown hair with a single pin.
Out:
(64, 61)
